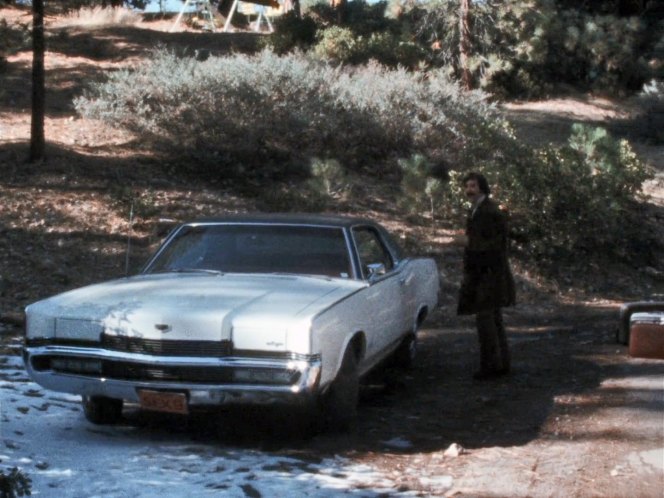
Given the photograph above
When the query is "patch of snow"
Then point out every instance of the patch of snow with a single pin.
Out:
(439, 483)
(648, 461)
(45, 435)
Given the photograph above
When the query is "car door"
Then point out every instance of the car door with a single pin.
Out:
(383, 297)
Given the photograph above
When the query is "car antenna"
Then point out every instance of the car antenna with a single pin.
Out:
(131, 223)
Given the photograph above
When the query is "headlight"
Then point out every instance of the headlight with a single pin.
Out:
(75, 329)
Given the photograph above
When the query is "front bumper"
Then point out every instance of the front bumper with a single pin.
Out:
(92, 371)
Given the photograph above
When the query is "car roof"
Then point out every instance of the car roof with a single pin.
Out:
(289, 218)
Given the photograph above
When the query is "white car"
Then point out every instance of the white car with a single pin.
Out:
(249, 309)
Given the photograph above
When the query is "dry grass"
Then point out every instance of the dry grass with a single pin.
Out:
(94, 17)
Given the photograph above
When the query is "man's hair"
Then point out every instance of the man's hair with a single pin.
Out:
(481, 182)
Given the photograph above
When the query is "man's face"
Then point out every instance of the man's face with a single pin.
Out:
(472, 189)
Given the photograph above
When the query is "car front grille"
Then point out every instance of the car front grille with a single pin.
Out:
(149, 372)
(158, 347)
(144, 372)
(127, 370)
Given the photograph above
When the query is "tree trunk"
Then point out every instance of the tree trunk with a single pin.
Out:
(340, 7)
(111, 3)
(464, 43)
(37, 141)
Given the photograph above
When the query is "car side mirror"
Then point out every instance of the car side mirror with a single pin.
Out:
(375, 270)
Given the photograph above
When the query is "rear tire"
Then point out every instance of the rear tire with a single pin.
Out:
(340, 401)
(101, 410)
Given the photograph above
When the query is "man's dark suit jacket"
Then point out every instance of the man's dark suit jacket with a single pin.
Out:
(487, 279)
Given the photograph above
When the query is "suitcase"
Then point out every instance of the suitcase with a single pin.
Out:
(627, 310)
(646, 335)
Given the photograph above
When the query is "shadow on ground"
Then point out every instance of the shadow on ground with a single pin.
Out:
(106, 49)
(437, 403)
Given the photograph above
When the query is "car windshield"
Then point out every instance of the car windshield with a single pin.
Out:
(246, 248)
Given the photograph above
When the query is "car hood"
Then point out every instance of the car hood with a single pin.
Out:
(254, 311)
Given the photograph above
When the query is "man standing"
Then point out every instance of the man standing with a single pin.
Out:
(487, 284)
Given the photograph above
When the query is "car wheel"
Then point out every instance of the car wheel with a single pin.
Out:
(101, 410)
(404, 356)
(340, 401)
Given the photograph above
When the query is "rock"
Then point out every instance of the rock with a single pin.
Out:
(454, 450)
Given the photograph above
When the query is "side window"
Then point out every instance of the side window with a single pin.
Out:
(371, 250)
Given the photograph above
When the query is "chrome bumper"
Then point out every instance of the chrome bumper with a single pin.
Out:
(198, 393)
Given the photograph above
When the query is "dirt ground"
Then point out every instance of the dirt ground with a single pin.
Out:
(578, 416)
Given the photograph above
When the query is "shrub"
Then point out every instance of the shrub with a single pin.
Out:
(13, 38)
(261, 119)
(566, 203)
(364, 34)
(291, 33)
(527, 48)
(14, 484)
(360, 17)
(602, 53)
(327, 177)
(575, 200)
(340, 45)
(421, 191)
(650, 101)
(265, 116)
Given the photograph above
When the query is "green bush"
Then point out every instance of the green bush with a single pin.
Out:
(364, 34)
(342, 45)
(650, 120)
(421, 191)
(575, 200)
(14, 484)
(13, 38)
(262, 119)
(291, 33)
(360, 17)
(602, 53)
(327, 177)
(265, 116)
(569, 203)
(527, 48)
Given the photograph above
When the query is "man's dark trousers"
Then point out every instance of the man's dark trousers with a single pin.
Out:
(494, 351)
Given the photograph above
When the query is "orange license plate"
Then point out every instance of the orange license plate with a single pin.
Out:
(159, 401)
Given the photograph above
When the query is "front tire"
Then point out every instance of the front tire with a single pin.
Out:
(340, 401)
(101, 410)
